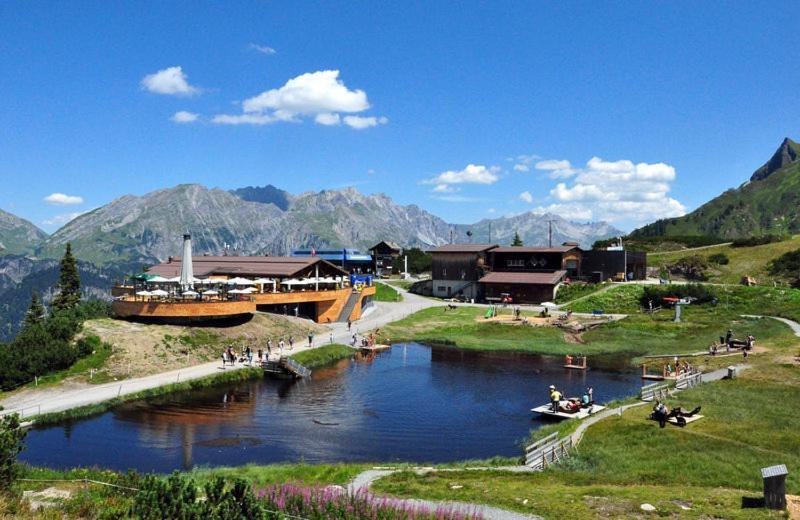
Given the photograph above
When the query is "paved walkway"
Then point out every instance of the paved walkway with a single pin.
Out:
(65, 396)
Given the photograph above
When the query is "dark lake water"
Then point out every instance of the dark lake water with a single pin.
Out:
(412, 403)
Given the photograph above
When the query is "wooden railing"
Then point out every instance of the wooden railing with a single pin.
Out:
(654, 391)
(547, 451)
(685, 381)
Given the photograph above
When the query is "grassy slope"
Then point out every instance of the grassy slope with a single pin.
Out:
(638, 334)
(323, 355)
(749, 423)
(749, 261)
(386, 293)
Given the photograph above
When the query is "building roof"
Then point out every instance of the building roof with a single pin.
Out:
(388, 243)
(547, 278)
(463, 248)
(534, 249)
(269, 266)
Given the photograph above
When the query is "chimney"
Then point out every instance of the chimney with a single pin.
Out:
(187, 273)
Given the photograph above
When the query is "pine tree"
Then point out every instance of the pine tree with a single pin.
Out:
(69, 282)
(35, 312)
(517, 240)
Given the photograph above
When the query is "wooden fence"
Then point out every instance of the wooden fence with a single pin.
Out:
(548, 450)
(653, 391)
(688, 380)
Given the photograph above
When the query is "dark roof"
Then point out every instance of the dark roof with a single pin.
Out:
(534, 249)
(269, 266)
(389, 244)
(463, 248)
(548, 278)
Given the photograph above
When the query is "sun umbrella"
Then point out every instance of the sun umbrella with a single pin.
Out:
(159, 292)
(237, 291)
(291, 281)
(549, 305)
(240, 281)
(144, 293)
(210, 293)
(190, 293)
(158, 279)
(174, 279)
(248, 290)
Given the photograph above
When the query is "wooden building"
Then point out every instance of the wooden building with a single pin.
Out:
(456, 269)
(537, 259)
(522, 287)
(383, 254)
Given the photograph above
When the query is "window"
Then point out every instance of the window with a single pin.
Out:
(515, 262)
(441, 288)
(444, 272)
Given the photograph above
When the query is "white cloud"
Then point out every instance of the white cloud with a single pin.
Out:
(170, 81)
(321, 95)
(559, 169)
(326, 118)
(521, 168)
(360, 123)
(455, 198)
(243, 119)
(472, 174)
(60, 220)
(491, 210)
(445, 188)
(526, 196)
(263, 49)
(184, 117)
(62, 199)
(616, 191)
(523, 162)
(573, 212)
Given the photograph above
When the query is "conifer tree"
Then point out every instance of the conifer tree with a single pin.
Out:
(35, 312)
(69, 282)
(517, 240)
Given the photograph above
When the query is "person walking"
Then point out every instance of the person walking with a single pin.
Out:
(331, 338)
(223, 359)
(310, 339)
(280, 347)
(349, 324)
(260, 355)
(269, 346)
(291, 342)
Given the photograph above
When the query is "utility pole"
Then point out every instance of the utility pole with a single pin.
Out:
(451, 235)
(490, 231)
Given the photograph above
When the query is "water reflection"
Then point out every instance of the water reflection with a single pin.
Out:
(411, 403)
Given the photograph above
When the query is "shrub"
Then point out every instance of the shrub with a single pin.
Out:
(657, 293)
(692, 267)
(788, 264)
(719, 259)
(757, 241)
(11, 438)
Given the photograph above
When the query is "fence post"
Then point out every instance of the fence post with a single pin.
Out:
(119, 392)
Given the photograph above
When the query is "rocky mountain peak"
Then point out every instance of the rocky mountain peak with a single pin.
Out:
(787, 153)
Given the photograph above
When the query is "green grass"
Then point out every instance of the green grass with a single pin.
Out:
(567, 293)
(242, 374)
(744, 261)
(386, 293)
(307, 474)
(636, 335)
(622, 299)
(322, 356)
(403, 284)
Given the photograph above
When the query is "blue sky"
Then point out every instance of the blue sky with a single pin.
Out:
(625, 111)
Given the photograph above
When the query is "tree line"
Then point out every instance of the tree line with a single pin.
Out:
(46, 342)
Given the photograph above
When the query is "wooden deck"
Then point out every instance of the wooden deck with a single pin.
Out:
(583, 413)
(375, 348)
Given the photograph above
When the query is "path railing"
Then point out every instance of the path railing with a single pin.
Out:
(654, 391)
(548, 451)
(21, 411)
(685, 381)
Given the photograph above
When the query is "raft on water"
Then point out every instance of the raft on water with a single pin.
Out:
(547, 410)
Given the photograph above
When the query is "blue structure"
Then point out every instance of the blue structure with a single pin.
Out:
(351, 260)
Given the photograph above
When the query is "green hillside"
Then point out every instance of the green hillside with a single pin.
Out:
(768, 203)
(743, 261)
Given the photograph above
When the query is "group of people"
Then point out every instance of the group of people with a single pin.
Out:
(678, 368)
(571, 404)
(729, 342)
(231, 357)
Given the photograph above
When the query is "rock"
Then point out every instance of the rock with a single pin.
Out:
(647, 507)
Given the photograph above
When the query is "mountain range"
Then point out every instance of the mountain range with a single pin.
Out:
(132, 232)
(769, 202)
(266, 220)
